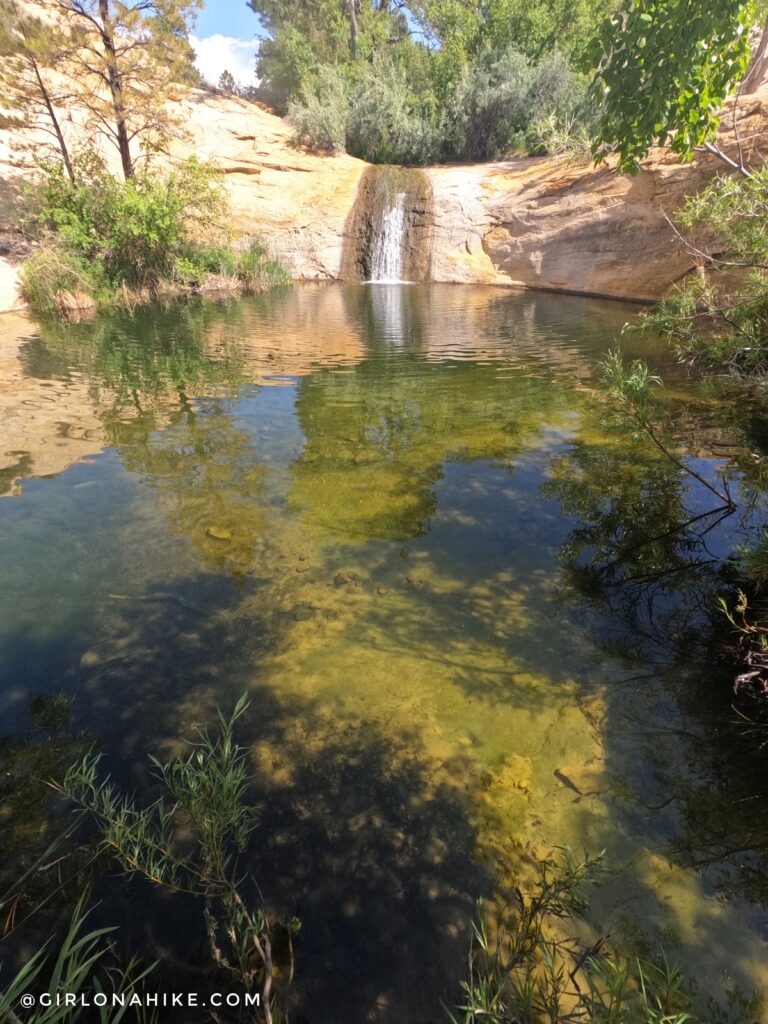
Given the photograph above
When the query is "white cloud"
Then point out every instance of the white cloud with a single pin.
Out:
(218, 53)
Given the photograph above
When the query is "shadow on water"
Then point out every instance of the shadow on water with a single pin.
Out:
(391, 517)
(648, 556)
(358, 834)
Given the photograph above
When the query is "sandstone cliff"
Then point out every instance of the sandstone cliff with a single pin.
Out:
(539, 223)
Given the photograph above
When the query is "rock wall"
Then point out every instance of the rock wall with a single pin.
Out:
(536, 223)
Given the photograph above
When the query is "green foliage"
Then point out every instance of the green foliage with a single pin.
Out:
(388, 121)
(503, 95)
(464, 31)
(103, 236)
(320, 116)
(523, 968)
(664, 69)
(424, 81)
(30, 48)
(206, 792)
(302, 38)
(81, 968)
(719, 316)
(227, 82)
(375, 115)
(631, 385)
(256, 271)
(501, 103)
(136, 229)
(631, 390)
(52, 273)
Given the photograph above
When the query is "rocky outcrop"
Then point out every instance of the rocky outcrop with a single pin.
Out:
(567, 226)
(536, 223)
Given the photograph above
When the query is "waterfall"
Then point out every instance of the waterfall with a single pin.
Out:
(388, 247)
(388, 234)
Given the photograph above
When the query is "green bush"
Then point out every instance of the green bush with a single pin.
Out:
(256, 270)
(388, 122)
(52, 273)
(375, 116)
(719, 315)
(502, 95)
(321, 116)
(135, 229)
(525, 968)
(108, 238)
(502, 103)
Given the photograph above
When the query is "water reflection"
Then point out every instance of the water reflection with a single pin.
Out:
(468, 612)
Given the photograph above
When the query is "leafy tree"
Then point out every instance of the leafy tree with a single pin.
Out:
(304, 37)
(460, 32)
(664, 70)
(29, 49)
(227, 82)
(714, 318)
(128, 57)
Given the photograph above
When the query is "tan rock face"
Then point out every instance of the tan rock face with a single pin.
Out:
(298, 202)
(556, 224)
(536, 223)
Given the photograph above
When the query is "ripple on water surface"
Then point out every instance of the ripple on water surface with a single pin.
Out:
(380, 510)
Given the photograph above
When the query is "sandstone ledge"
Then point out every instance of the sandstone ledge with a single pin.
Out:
(548, 223)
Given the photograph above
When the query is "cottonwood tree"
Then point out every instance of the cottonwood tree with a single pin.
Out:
(129, 58)
(29, 50)
(664, 69)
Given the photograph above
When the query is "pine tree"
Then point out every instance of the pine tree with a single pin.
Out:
(227, 82)
(29, 50)
(128, 58)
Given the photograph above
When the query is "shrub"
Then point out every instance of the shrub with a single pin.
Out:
(107, 238)
(256, 271)
(320, 117)
(557, 134)
(376, 116)
(503, 102)
(135, 229)
(206, 794)
(52, 278)
(387, 122)
(526, 969)
(719, 316)
(502, 95)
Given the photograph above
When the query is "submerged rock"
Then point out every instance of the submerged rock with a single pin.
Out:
(217, 533)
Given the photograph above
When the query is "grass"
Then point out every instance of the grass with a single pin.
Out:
(525, 969)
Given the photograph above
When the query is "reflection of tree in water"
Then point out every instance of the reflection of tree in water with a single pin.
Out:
(208, 478)
(649, 554)
(637, 548)
(378, 435)
(204, 468)
(150, 359)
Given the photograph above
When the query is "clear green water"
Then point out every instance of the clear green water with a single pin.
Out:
(380, 511)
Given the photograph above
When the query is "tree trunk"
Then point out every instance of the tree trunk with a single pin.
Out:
(352, 11)
(758, 66)
(116, 90)
(54, 119)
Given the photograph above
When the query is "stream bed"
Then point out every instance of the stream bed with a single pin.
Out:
(391, 514)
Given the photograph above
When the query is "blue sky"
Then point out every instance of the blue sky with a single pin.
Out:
(228, 18)
(225, 38)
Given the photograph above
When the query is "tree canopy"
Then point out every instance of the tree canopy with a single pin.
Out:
(664, 69)
(119, 61)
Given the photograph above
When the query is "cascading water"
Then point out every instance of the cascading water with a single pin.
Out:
(389, 231)
(388, 247)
